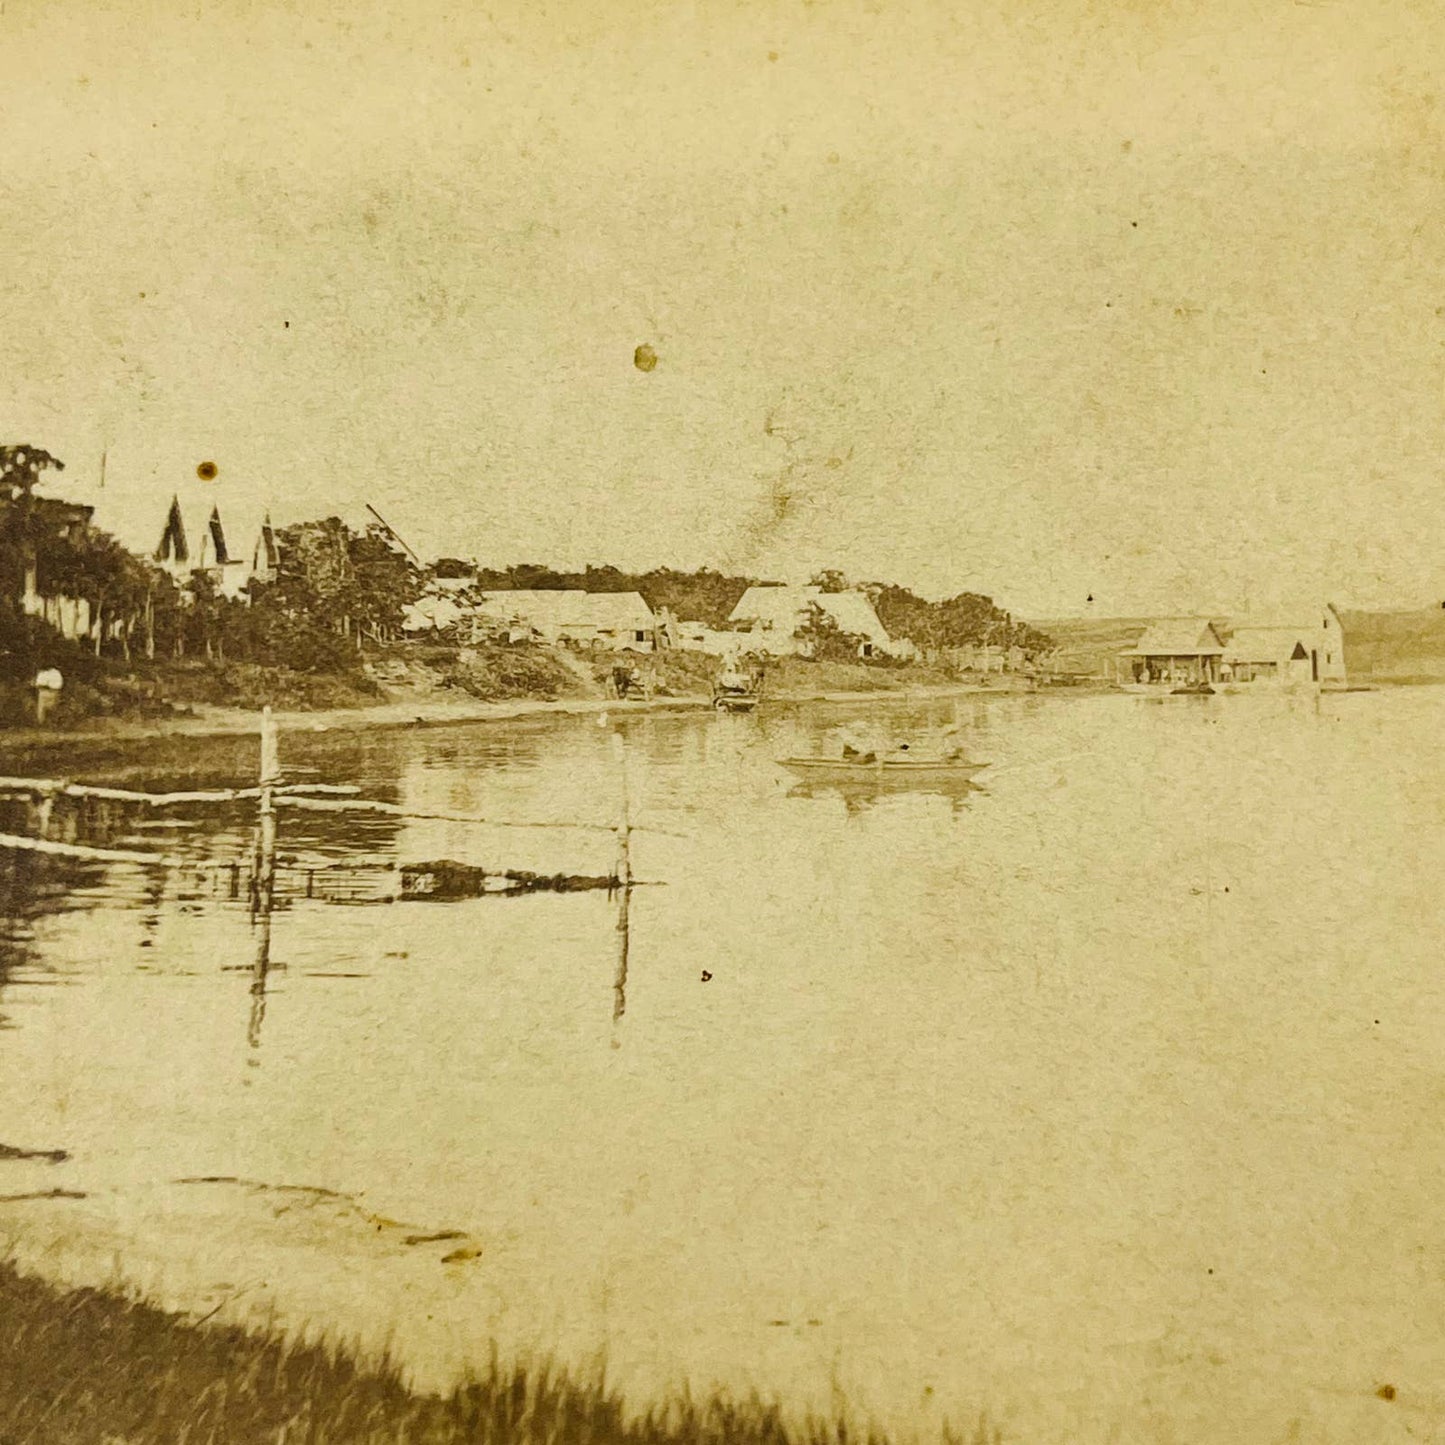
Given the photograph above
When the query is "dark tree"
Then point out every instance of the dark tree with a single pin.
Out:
(825, 640)
(21, 467)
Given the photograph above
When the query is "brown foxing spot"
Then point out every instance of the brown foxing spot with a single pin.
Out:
(207, 471)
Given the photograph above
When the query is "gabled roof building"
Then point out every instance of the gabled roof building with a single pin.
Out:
(774, 614)
(200, 542)
(1195, 649)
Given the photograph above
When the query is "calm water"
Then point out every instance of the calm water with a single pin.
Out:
(1108, 1097)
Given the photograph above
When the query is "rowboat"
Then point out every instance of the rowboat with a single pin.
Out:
(887, 769)
(735, 701)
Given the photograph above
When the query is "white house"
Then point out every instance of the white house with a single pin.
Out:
(1309, 651)
(772, 616)
(621, 621)
(699, 637)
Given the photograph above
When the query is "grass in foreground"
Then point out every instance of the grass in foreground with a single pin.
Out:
(82, 1366)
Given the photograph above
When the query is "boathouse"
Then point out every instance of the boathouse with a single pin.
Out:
(1178, 650)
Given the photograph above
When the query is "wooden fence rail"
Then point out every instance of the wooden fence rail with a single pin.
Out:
(62, 788)
(19, 843)
(272, 794)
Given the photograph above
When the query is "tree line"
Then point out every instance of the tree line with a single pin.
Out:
(967, 619)
(336, 590)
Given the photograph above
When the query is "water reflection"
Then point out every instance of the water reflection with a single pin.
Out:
(864, 794)
(624, 945)
(260, 970)
(793, 1140)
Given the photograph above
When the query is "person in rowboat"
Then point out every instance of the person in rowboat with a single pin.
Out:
(860, 744)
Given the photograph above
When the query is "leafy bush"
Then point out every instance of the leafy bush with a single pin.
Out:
(254, 686)
(27, 645)
(497, 672)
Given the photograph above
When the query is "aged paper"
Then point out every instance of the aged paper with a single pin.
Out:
(722, 720)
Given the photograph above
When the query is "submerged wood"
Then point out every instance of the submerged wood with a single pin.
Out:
(445, 881)
(395, 810)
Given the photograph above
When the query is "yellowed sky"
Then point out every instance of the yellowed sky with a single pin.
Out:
(1052, 299)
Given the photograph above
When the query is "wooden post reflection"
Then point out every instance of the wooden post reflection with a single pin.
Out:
(624, 938)
(624, 889)
(259, 969)
(263, 876)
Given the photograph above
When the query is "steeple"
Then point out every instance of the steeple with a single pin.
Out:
(172, 547)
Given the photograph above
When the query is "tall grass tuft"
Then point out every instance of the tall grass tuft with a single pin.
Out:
(82, 1366)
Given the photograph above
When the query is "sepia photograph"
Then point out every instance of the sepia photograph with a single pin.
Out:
(720, 722)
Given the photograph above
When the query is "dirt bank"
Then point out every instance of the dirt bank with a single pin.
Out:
(453, 707)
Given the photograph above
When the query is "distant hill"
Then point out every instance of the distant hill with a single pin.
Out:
(1395, 646)
(1379, 646)
(1089, 645)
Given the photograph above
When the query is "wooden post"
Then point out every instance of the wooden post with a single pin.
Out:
(43, 812)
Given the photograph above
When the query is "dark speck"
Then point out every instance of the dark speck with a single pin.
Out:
(1386, 1392)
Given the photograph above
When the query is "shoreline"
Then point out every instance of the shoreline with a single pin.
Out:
(213, 722)
(206, 721)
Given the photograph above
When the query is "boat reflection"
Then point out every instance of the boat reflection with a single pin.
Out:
(861, 794)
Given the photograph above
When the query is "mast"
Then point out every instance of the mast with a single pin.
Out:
(394, 534)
